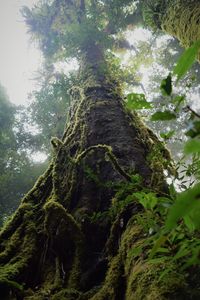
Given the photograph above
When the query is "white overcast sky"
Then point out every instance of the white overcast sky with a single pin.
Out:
(19, 58)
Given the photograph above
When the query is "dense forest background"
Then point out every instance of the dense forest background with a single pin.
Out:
(140, 58)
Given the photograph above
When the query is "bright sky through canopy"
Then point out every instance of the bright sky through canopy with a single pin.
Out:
(19, 58)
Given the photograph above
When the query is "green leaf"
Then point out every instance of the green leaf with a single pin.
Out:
(148, 201)
(137, 101)
(192, 146)
(195, 130)
(192, 220)
(163, 116)
(164, 273)
(191, 133)
(158, 260)
(163, 250)
(189, 223)
(186, 60)
(160, 241)
(135, 252)
(166, 86)
(183, 251)
(167, 135)
(178, 99)
(187, 204)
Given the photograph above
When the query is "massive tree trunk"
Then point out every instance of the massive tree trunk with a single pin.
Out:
(69, 239)
(179, 18)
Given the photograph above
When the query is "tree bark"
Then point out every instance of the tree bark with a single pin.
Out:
(182, 20)
(68, 240)
(178, 18)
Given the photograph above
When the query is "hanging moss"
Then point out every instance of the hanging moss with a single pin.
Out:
(111, 157)
(179, 18)
(182, 20)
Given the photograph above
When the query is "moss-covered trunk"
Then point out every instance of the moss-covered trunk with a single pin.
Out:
(182, 20)
(179, 18)
(69, 239)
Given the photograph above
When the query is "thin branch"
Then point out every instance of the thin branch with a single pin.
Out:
(192, 111)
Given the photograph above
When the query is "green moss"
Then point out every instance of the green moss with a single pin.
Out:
(12, 270)
(178, 18)
(159, 159)
(78, 107)
(181, 20)
(61, 225)
(75, 273)
(67, 294)
(61, 264)
(7, 287)
(160, 278)
(15, 220)
(21, 223)
(40, 186)
(130, 237)
(89, 294)
(11, 245)
(158, 156)
(19, 247)
(145, 281)
(57, 218)
(111, 284)
(56, 144)
(37, 295)
(109, 154)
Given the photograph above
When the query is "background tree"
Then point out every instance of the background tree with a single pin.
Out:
(18, 173)
(49, 107)
(178, 18)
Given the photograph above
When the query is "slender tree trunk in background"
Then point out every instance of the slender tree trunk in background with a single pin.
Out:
(54, 248)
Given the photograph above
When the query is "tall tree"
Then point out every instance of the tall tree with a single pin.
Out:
(72, 234)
